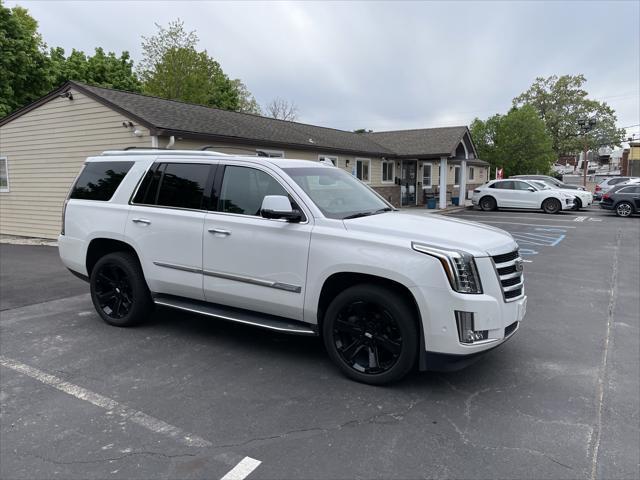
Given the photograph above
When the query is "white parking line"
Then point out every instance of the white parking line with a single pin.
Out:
(243, 469)
(111, 406)
(525, 224)
(517, 217)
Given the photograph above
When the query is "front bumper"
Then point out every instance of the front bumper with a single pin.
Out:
(606, 205)
(568, 203)
(490, 312)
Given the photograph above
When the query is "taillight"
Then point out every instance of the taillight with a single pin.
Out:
(598, 188)
(606, 195)
(64, 211)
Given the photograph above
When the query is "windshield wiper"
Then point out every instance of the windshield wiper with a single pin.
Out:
(366, 214)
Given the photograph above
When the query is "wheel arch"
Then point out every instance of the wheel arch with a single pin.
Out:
(633, 207)
(101, 246)
(488, 195)
(337, 282)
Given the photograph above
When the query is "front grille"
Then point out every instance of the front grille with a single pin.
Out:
(510, 329)
(510, 277)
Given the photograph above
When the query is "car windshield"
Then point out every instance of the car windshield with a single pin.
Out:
(541, 184)
(336, 193)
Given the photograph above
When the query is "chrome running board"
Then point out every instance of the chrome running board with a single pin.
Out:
(270, 322)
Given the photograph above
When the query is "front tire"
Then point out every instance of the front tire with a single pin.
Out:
(551, 205)
(624, 209)
(119, 291)
(577, 204)
(370, 333)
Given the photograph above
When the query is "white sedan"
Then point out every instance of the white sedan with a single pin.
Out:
(583, 198)
(521, 194)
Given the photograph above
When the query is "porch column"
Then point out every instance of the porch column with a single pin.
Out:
(463, 182)
(443, 182)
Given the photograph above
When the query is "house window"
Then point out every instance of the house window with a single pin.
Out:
(4, 174)
(270, 153)
(456, 176)
(362, 168)
(471, 173)
(387, 171)
(426, 175)
(331, 158)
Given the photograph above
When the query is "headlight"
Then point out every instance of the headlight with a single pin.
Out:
(459, 266)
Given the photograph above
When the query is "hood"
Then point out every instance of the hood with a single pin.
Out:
(432, 229)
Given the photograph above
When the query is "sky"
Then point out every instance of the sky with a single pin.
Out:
(383, 65)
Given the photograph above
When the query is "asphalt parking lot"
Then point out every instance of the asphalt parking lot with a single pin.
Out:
(187, 397)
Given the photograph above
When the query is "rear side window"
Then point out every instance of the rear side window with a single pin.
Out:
(99, 180)
(177, 185)
(507, 185)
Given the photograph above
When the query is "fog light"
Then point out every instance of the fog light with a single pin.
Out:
(466, 332)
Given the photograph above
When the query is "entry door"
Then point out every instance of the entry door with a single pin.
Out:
(249, 261)
(523, 197)
(165, 224)
(408, 182)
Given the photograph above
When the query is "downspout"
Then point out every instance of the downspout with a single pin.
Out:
(172, 140)
(154, 141)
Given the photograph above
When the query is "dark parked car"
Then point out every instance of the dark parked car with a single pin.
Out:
(624, 199)
(549, 179)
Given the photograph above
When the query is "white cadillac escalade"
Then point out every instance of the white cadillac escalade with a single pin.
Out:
(292, 246)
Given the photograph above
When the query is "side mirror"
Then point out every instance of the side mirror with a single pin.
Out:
(279, 207)
(531, 189)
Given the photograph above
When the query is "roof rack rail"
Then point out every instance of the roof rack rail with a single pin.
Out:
(162, 152)
(254, 152)
(144, 148)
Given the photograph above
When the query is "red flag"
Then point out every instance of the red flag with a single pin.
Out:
(499, 174)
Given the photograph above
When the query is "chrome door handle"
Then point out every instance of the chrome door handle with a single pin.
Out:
(218, 231)
(141, 220)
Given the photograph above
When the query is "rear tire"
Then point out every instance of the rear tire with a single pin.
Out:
(624, 209)
(119, 291)
(551, 205)
(370, 333)
(488, 204)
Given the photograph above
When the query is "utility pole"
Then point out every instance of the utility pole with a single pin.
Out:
(585, 124)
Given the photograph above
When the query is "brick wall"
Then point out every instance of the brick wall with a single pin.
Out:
(390, 193)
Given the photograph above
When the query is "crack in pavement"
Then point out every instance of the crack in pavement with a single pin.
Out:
(613, 293)
(396, 417)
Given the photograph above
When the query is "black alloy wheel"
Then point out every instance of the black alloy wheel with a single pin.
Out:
(370, 333)
(113, 291)
(119, 291)
(367, 337)
(551, 205)
(487, 204)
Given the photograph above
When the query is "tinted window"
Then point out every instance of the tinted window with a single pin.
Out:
(616, 181)
(99, 180)
(521, 186)
(182, 185)
(508, 185)
(243, 190)
(148, 189)
(629, 190)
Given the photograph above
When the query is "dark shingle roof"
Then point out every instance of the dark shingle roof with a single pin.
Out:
(171, 117)
(179, 116)
(420, 142)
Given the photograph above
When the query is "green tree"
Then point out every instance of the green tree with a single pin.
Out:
(517, 142)
(560, 102)
(102, 69)
(24, 65)
(173, 68)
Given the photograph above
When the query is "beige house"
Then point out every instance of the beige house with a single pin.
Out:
(43, 146)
